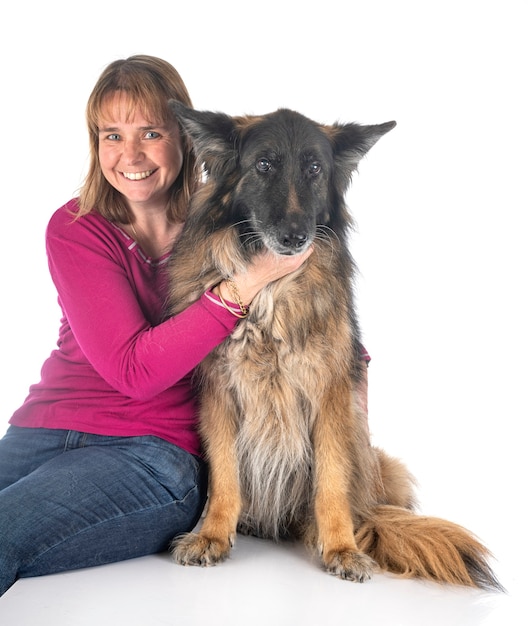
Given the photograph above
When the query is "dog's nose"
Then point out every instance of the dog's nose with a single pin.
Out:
(294, 240)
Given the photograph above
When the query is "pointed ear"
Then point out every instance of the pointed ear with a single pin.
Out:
(213, 135)
(351, 142)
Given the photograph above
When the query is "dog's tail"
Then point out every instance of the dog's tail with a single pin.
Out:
(416, 546)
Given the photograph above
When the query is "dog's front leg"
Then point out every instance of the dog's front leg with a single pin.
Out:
(214, 540)
(333, 449)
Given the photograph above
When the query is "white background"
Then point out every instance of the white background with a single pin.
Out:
(440, 201)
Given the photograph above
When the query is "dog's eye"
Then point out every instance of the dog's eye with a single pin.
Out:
(314, 168)
(263, 165)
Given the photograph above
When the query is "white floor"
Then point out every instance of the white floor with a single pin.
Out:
(262, 583)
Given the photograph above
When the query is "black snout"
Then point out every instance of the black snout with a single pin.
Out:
(291, 238)
(294, 240)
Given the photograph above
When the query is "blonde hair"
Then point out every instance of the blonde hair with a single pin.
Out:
(149, 83)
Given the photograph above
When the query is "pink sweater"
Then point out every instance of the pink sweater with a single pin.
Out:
(117, 370)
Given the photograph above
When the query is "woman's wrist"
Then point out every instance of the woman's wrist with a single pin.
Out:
(235, 290)
(235, 294)
(229, 286)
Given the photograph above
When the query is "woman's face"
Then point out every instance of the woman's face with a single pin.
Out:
(139, 157)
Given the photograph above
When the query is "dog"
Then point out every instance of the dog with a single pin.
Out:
(287, 444)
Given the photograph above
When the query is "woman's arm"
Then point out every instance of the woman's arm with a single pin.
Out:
(111, 330)
(105, 300)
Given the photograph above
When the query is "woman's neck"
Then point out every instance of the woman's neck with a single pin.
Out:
(153, 233)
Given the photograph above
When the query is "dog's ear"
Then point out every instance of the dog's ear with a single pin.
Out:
(212, 134)
(351, 142)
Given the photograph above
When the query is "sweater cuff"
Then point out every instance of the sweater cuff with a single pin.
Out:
(215, 306)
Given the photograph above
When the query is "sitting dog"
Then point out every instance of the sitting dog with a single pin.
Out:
(287, 445)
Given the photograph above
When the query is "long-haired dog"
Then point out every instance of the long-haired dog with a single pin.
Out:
(287, 445)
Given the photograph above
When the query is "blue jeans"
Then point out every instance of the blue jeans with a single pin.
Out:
(70, 500)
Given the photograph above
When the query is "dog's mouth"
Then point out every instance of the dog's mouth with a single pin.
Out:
(283, 237)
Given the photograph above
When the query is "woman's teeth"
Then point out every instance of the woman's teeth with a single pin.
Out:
(137, 175)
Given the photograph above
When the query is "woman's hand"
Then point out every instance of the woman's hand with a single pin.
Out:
(266, 268)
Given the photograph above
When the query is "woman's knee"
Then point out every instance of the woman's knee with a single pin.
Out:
(98, 505)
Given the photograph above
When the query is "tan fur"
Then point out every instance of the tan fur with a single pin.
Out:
(427, 547)
(289, 455)
(288, 448)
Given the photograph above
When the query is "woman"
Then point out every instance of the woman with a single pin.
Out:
(101, 463)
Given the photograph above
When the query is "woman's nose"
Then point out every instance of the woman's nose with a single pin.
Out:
(132, 150)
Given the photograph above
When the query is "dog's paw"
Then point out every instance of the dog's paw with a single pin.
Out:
(198, 549)
(350, 565)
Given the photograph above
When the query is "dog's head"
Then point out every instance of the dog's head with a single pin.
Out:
(280, 176)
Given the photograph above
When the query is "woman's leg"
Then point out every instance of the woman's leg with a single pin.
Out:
(104, 499)
(22, 450)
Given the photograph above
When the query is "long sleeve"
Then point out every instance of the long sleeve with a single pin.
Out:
(111, 309)
(118, 368)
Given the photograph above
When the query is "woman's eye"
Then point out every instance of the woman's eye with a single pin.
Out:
(263, 165)
(151, 134)
(113, 137)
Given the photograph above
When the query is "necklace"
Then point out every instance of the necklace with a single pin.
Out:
(151, 246)
(134, 231)
(142, 242)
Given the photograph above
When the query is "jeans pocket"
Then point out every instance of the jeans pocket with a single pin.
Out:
(173, 467)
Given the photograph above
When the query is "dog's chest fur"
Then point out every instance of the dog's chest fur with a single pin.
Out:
(276, 365)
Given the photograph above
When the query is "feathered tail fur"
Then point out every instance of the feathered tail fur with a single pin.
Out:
(430, 548)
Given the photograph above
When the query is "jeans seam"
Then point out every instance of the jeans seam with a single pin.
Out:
(193, 489)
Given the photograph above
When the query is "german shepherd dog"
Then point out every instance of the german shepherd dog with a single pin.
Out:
(287, 445)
